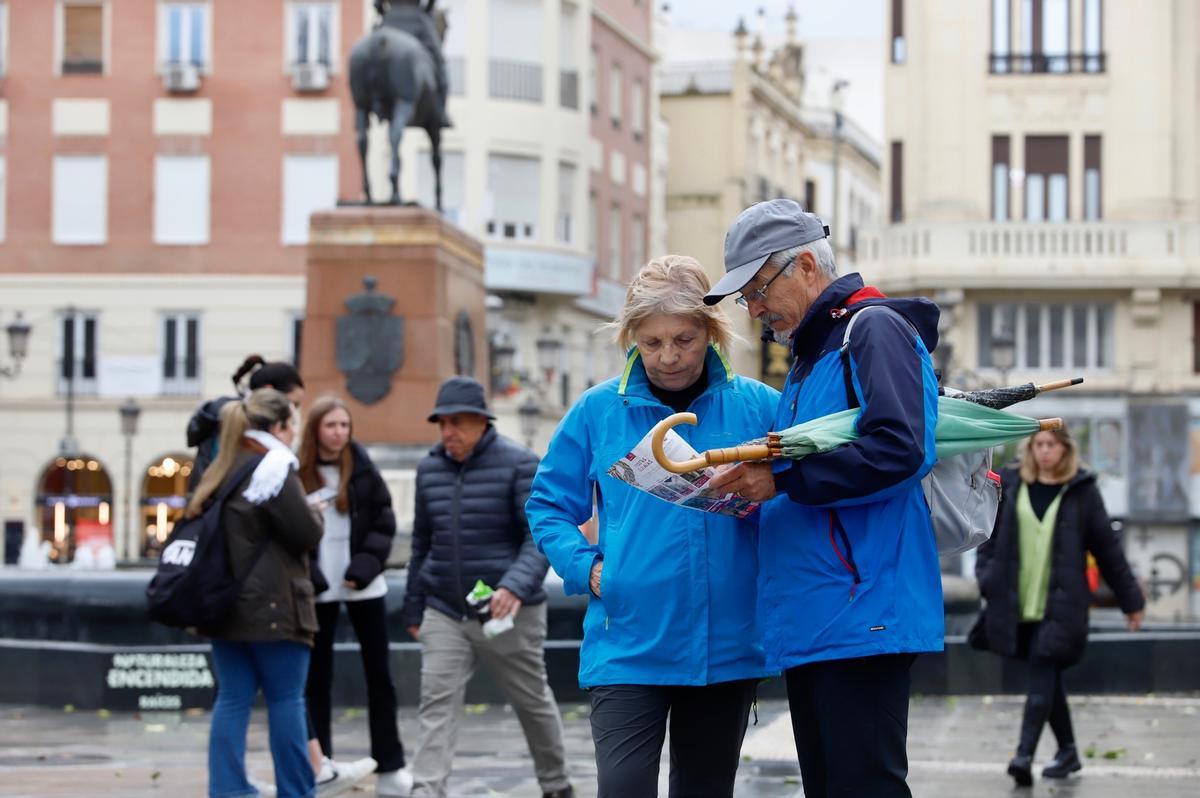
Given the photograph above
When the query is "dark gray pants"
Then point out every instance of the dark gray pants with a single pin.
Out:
(629, 723)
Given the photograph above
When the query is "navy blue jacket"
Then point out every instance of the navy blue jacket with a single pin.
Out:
(847, 557)
(469, 523)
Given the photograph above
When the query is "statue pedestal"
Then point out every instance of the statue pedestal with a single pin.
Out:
(434, 273)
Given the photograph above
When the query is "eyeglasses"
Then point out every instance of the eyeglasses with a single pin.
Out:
(760, 295)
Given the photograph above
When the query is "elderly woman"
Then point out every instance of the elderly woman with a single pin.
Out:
(670, 627)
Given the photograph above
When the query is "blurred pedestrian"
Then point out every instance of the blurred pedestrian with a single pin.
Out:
(203, 430)
(346, 487)
(1033, 574)
(264, 643)
(669, 638)
(470, 527)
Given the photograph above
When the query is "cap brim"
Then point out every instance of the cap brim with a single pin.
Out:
(734, 280)
(449, 410)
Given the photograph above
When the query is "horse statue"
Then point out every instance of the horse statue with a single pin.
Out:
(397, 76)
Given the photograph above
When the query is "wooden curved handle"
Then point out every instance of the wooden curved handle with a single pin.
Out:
(1047, 424)
(656, 444)
(732, 454)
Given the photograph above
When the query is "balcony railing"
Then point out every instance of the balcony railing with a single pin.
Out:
(1044, 64)
(568, 88)
(514, 80)
(1015, 253)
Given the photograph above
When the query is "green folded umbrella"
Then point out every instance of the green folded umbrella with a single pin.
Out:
(962, 426)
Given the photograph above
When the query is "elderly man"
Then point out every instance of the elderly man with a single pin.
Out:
(849, 584)
(470, 525)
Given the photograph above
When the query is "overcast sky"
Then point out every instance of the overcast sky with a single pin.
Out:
(823, 19)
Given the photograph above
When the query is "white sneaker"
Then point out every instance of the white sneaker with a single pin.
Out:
(336, 778)
(265, 788)
(397, 783)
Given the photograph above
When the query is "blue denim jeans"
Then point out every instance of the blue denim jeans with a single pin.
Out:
(279, 669)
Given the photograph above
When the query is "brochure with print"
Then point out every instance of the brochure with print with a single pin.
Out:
(642, 471)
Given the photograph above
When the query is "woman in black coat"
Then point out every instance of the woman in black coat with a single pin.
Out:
(347, 488)
(1032, 572)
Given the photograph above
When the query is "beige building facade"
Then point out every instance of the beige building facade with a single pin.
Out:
(1043, 183)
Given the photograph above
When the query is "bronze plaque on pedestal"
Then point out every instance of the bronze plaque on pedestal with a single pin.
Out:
(395, 306)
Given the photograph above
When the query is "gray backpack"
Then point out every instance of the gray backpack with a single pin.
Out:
(963, 493)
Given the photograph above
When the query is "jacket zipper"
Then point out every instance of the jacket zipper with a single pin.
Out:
(458, 580)
(847, 560)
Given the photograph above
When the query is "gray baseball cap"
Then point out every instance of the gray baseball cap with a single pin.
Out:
(759, 232)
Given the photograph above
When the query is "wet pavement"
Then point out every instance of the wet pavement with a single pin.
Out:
(1148, 747)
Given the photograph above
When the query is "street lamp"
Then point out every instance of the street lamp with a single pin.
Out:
(1004, 355)
(503, 354)
(837, 102)
(18, 345)
(547, 354)
(529, 413)
(130, 411)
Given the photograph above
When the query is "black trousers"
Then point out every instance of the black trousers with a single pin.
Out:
(629, 723)
(1046, 699)
(850, 721)
(369, 619)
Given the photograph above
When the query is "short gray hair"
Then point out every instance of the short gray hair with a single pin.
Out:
(821, 251)
(671, 285)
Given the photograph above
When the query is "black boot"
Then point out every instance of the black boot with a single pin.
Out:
(1021, 769)
(565, 792)
(1066, 762)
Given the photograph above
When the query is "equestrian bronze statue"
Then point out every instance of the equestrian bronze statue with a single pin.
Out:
(398, 75)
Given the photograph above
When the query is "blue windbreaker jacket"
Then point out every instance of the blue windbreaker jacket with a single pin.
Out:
(849, 565)
(678, 584)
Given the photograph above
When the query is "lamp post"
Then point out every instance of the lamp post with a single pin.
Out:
(503, 354)
(18, 345)
(68, 445)
(130, 411)
(837, 103)
(548, 348)
(529, 413)
(1004, 355)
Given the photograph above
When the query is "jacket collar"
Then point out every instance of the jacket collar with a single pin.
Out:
(827, 311)
(634, 381)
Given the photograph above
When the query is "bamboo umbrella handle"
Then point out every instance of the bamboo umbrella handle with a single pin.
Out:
(1047, 424)
(1054, 386)
(732, 454)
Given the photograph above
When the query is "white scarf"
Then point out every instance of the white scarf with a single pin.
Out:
(270, 474)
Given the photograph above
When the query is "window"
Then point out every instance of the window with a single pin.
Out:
(1046, 32)
(309, 185)
(615, 79)
(80, 199)
(184, 34)
(181, 354)
(1046, 178)
(637, 244)
(1093, 36)
(454, 45)
(82, 39)
(1000, 178)
(899, 54)
(594, 227)
(514, 199)
(515, 35)
(77, 352)
(637, 110)
(810, 196)
(1001, 34)
(897, 187)
(295, 336)
(1053, 335)
(593, 83)
(616, 249)
(1091, 179)
(181, 199)
(568, 68)
(3, 38)
(313, 36)
(564, 232)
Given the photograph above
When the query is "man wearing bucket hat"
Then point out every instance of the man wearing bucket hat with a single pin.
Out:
(846, 534)
(469, 527)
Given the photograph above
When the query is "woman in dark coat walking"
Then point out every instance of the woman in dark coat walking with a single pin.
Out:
(1032, 572)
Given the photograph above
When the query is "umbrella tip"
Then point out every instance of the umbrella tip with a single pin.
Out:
(1076, 380)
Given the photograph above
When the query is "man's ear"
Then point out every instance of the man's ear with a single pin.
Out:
(807, 264)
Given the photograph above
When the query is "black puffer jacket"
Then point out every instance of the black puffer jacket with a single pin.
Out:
(470, 524)
(1082, 525)
(372, 521)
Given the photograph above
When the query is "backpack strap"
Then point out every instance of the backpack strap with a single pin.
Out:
(238, 476)
(847, 377)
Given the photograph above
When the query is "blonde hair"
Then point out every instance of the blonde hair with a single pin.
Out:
(1067, 467)
(672, 285)
(261, 410)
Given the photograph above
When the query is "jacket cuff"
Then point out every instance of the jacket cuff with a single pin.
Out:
(362, 569)
(577, 583)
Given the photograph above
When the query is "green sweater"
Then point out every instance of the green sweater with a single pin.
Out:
(1036, 541)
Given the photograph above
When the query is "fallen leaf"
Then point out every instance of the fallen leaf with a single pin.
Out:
(1114, 753)
(1090, 752)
